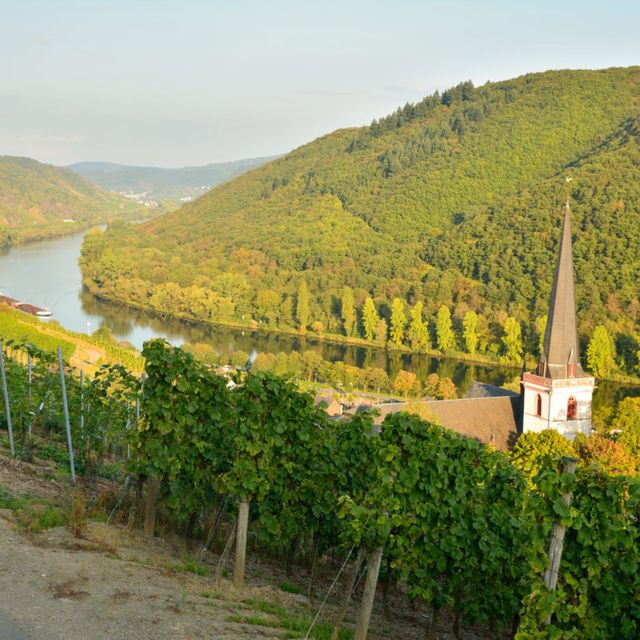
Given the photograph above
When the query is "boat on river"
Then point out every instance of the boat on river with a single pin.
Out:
(25, 307)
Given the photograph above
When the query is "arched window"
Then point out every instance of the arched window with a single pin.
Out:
(538, 405)
(572, 409)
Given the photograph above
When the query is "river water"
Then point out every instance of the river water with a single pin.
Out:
(47, 274)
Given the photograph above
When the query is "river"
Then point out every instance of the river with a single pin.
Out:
(47, 274)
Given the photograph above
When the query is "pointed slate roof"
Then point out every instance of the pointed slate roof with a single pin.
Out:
(561, 358)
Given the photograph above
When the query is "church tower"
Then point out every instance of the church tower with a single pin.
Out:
(558, 396)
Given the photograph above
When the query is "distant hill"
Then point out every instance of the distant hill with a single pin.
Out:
(455, 201)
(39, 200)
(178, 185)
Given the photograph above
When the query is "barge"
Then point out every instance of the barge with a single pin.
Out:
(25, 307)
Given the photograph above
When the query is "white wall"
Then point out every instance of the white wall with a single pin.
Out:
(554, 408)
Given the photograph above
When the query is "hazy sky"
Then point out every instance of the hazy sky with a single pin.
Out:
(189, 82)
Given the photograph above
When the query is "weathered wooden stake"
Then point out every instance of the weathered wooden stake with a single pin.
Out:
(29, 372)
(346, 598)
(557, 537)
(241, 544)
(7, 406)
(67, 422)
(151, 504)
(82, 403)
(364, 616)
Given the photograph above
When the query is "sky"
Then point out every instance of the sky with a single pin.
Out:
(189, 82)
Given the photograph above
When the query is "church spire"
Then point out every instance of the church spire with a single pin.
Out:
(560, 358)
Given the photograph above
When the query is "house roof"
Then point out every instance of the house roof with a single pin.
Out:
(484, 390)
(490, 420)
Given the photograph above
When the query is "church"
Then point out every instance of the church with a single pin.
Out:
(558, 395)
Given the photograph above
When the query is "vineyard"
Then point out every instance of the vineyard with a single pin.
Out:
(526, 551)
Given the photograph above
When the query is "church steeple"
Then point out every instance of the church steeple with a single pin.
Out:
(560, 357)
(559, 395)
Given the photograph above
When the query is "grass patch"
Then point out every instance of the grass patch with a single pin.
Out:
(12, 502)
(266, 607)
(295, 626)
(48, 519)
(31, 514)
(189, 565)
(289, 588)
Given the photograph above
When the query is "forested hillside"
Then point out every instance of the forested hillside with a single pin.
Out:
(451, 205)
(162, 183)
(38, 200)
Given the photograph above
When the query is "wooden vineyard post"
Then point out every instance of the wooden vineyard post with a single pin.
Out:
(557, 537)
(241, 544)
(346, 598)
(364, 616)
(7, 406)
(151, 505)
(67, 423)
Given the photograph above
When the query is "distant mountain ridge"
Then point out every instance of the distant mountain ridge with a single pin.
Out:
(176, 184)
(39, 200)
(454, 201)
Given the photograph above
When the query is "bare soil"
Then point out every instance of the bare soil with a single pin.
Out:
(112, 584)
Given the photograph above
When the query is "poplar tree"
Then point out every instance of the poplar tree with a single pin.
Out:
(512, 340)
(369, 319)
(398, 321)
(302, 306)
(347, 311)
(381, 331)
(418, 333)
(601, 353)
(470, 331)
(444, 329)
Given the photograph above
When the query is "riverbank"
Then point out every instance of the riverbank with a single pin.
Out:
(328, 338)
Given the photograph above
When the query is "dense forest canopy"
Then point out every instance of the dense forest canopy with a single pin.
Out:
(454, 201)
(39, 199)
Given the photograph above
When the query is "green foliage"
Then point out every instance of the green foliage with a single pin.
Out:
(418, 333)
(451, 515)
(444, 330)
(302, 306)
(512, 340)
(23, 329)
(348, 312)
(398, 321)
(626, 425)
(598, 575)
(601, 352)
(369, 319)
(470, 331)
(450, 201)
(185, 429)
(534, 450)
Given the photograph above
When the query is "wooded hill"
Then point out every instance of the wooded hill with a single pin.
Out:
(455, 201)
(36, 199)
(162, 183)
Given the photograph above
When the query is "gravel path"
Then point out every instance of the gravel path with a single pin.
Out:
(8, 631)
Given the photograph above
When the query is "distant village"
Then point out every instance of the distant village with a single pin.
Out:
(147, 199)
